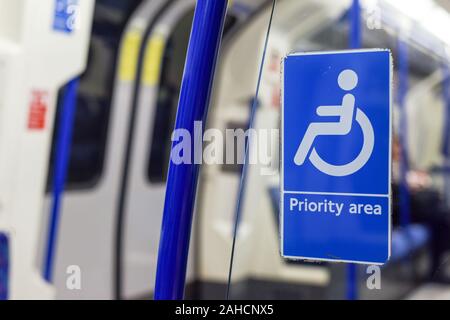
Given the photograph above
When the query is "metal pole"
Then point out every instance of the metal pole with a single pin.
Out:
(446, 135)
(61, 162)
(446, 97)
(355, 25)
(206, 34)
(4, 266)
(403, 84)
(354, 43)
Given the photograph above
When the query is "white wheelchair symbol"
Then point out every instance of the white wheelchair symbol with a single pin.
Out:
(348, 80)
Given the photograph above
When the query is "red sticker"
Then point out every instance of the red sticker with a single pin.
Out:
(38, 110)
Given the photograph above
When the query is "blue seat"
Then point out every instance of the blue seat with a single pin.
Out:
(407, 240)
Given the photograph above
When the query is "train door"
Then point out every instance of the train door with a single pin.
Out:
(88, 220)
(165, 51)
(156, 104)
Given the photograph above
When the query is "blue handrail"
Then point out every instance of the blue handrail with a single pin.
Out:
(403, 84)
(355, 42)
(61, 161)
(4, 266)
(355, 25)
(446, 97)
(446, 130)
(206, 34)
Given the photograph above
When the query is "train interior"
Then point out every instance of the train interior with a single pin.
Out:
(126, 107)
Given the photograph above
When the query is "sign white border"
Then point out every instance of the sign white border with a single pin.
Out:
(282, 191)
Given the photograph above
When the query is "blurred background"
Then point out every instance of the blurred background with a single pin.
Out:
(121, 62)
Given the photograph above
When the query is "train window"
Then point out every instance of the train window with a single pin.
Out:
(168, 95)
(95, 95)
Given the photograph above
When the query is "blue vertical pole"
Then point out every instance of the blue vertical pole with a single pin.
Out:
(204, 43)
(355, 25)
(4, 266)
(446, 97)
(403, 84)
(355, 42)
(61, 161)
(446, 130)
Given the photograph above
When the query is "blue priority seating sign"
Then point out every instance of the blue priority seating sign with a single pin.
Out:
(336, 155)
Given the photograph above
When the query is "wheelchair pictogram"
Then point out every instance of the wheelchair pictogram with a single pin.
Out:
(347, 80)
